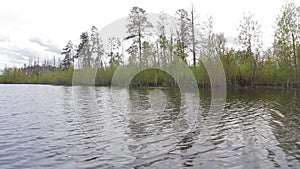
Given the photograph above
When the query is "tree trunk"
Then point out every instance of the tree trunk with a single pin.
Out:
(140, 44)
(295, 59)
(193, 38)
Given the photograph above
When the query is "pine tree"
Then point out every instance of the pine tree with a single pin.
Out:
(68, 55)
(96, 47)
(136, 28)
(83, 51)
(183, 33)
(113, 53)
(162, 41)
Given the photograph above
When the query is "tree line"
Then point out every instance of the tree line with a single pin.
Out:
(248, 64)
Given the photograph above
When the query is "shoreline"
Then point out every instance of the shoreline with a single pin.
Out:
(169, 87)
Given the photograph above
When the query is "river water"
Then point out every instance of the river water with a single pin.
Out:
(44, 126)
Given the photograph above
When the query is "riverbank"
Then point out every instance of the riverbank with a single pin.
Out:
(146, 78)
(168, 87)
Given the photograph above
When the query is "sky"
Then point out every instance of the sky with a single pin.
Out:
(40, 29)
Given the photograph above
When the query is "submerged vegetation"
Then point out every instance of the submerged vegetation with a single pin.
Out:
(247, 65)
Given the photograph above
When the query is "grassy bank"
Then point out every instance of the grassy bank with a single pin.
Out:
(147, 78)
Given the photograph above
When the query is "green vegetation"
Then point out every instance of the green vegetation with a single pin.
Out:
(251, 65)
(37, 75)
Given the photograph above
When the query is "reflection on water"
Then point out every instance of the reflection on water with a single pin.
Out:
(99, 127)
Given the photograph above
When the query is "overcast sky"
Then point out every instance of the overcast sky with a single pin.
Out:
(42, 28)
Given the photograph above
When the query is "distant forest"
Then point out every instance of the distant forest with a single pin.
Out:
(249, 65)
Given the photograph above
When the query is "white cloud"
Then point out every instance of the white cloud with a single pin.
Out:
(47, 44)
(4, 38)
(17, 51)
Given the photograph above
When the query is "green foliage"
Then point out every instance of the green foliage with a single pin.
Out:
(31, 75)
(153, 77)
(231, 67)
(250, 66)
(68, 55)
(136, 28)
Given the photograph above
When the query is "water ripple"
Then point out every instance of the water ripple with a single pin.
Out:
(41, 127)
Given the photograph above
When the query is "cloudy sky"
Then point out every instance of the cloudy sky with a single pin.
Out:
(35, 28)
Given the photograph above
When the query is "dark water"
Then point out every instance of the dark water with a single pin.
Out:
(86, 127)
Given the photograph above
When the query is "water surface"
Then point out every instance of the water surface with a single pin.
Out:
(45, 126)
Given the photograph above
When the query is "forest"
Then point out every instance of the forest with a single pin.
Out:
(247, 65)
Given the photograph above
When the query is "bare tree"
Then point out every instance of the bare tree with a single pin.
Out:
(250, 39)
